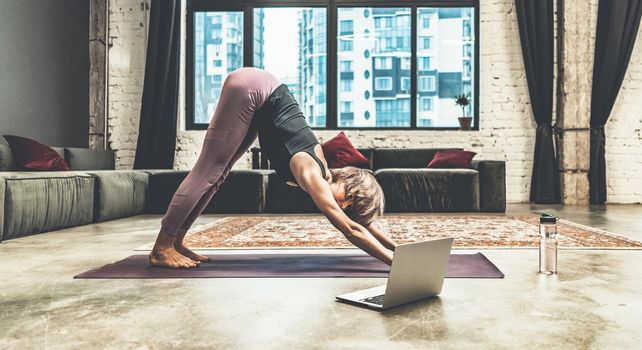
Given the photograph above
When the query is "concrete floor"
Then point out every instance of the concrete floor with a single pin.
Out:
(595, 302)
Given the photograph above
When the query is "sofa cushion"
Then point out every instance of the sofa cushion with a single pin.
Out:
(385, 158)
(244, 191)
(36, 202)
(118, 193)
(369, 154)
(283, 198)
(429, 190)
(6, 158)
(31, 155)
(161, 186)
(452, 159)
(60, 151)
(90, 159)
(339, 152)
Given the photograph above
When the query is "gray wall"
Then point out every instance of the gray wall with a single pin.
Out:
(44, 70)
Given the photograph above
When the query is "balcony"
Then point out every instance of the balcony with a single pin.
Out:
(346, 118)
(346, 75)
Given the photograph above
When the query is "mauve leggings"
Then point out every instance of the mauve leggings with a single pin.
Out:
(228, 136)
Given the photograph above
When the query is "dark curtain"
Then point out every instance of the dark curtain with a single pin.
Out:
(617, 27)
(535, 20)
(157, 128)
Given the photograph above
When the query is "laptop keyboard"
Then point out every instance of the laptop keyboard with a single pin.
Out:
(375, 300)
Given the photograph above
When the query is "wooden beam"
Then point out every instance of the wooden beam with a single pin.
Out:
(575, 71)
(97, 73)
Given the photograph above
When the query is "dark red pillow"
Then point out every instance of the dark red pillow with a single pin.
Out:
(33, 155)
(452, 159)
(339, 152)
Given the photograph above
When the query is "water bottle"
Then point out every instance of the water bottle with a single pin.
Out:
(548, 244)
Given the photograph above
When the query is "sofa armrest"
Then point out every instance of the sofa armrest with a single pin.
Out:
(42, 201)
(492, 185)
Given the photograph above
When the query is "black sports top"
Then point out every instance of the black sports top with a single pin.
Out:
(283, 132)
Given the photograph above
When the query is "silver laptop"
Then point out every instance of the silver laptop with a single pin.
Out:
(417, 272)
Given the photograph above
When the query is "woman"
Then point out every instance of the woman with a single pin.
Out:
(253, 102)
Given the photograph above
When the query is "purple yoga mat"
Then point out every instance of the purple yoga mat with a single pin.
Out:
(287, 265)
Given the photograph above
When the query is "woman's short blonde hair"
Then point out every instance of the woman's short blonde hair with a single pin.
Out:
(367, 196)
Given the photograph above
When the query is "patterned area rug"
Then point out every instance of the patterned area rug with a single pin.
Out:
(470, 232)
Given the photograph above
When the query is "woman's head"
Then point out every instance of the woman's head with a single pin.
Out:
(358, 193)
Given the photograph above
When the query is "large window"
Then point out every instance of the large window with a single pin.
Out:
(364, 66)
(294, 50)
(444, 65)
(381, 40)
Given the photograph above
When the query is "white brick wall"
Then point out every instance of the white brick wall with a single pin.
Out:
(507, 126)
(624, 136)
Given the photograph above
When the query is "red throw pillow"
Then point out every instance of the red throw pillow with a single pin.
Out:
(339, 152)
(452, 159)
(32, 155)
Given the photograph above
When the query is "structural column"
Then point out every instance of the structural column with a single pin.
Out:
(97, 73)
(576, 43)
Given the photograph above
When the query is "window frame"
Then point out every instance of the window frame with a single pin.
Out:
(401, 83)
(380, 79)
(332, 62)
(348, 63)
(344, 82)
(431, 103)
(431, 81)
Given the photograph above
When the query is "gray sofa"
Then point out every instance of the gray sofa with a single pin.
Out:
(38, 201)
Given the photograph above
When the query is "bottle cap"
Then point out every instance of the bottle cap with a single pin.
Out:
(547, 219)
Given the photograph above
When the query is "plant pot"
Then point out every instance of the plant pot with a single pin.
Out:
(465, 122)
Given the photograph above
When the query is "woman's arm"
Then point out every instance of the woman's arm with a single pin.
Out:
(381, 237)
(319, 190)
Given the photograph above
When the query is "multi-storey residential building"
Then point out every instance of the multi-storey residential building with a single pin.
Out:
(312, 72)
(218, 50)
(373, 65)
(444, 64)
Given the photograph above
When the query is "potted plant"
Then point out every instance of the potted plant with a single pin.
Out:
(463, 101)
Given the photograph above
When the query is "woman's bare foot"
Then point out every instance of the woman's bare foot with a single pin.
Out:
(178, 245)
(165, 255)
(170, 258)
(190, 254)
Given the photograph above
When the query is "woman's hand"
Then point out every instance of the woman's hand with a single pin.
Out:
(310, 180)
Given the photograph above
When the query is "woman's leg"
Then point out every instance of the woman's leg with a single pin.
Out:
(198, 209)
(205, 200)
(225, 135)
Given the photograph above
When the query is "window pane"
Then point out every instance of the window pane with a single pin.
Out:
(218, 50)
(384, 83)
(405, 85)
(293, 48)
(346, 27)
(445, 62)
(345, 66)
(377, 86)
(405, 63)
